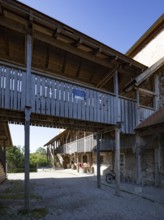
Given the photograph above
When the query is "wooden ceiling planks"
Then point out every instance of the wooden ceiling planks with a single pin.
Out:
(60, 49)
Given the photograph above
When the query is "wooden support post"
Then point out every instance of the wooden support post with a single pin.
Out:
(117, 160)
(4, 147)
(27, 119)
(117, 103)
(27, 147)
(138, 142)
(77, 161)
(138, 160)
(138, 167)
(157, 158)
(117, 134)
(156, 89)
(98, 161)
(53, 151)
(137, 107)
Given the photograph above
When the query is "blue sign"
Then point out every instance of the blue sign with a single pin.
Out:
(78, 94)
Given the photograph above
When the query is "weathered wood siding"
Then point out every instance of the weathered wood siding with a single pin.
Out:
(54, 97)
(86, 144)
(67, 100)
(145, 113)
(12, 88)
(128, 115)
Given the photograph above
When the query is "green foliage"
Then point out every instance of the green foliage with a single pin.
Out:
(41, 150)
(15, 159)
(39, 158)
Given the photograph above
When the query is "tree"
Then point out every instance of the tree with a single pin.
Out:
(39, 158)
(15, 159)
(41, 150)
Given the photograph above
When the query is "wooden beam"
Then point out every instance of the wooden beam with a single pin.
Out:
(78, 43)
(117, 160)
(3, 137)
(79, 68)
(47, 57)
(96, 51)
(158, 128)
(107, 77)
(157, 92)
(56, 33)
(148, 72)
(98, 160)
(147, 92)
(13, 25)
(4, 34)
(51, 24)
(106, 130)
(69, 48)
(138, 159)
(27, 119)
(64, 63)
(1, 10)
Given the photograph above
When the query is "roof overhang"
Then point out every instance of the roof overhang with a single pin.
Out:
(146, 37)
(59, 50)
(153, 124)
(5, 136)
(137, 81)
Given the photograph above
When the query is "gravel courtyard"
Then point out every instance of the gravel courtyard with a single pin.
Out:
(68, 195)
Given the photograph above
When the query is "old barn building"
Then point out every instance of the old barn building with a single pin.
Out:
(142, 152)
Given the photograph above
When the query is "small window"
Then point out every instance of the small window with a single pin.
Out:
(101, 159)
(122, 160)
(85, 158)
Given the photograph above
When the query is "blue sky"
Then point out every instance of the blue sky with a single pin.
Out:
(116, 23)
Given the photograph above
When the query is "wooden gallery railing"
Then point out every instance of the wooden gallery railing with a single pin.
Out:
(86, 144)
(54, 97)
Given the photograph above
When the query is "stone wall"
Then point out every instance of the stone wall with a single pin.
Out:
(147, 167)
(129, 169)
(162, 160)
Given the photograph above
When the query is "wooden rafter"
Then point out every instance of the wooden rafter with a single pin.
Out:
(47, 57)
(50, 25)
(71, 49)
(107, 77)
(79, 69)
(56, 33)
(4, 34)
(1, 10)
(147, 92)
(96, 51)
(64, 63)
(78, 43)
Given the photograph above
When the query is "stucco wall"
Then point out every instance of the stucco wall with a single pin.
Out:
(152, 52)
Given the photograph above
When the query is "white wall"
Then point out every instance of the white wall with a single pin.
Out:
(152, 52)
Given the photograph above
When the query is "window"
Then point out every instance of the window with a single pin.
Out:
(84, 158)
(122, 160)
(101, 159)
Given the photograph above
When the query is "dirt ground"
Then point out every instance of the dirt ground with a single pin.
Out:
(64, 194)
